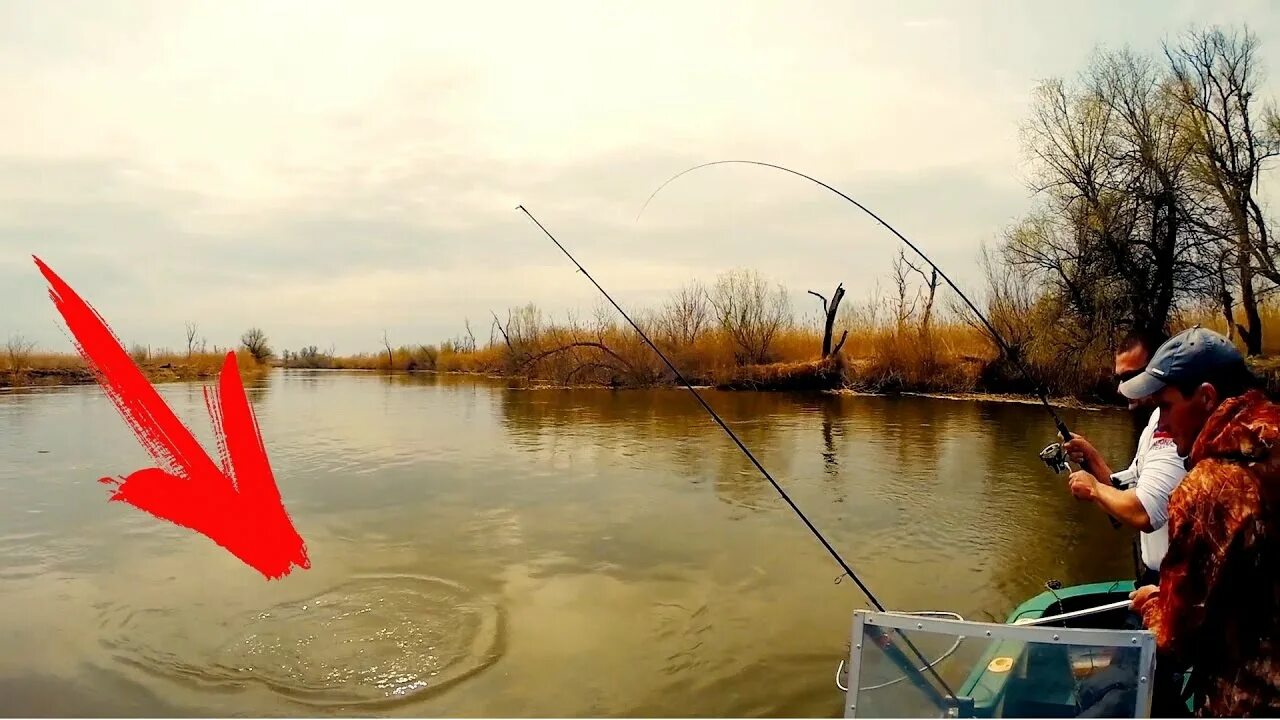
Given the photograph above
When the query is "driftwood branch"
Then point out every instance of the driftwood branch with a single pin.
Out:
(931, 282)
(829, 321)
(823, 299)
(843, 336)
(584, 343)
(498, 324)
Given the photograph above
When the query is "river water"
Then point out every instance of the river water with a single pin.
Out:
(483, 551)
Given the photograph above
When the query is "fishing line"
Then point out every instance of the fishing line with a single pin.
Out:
(715, 416)
(1004, 346)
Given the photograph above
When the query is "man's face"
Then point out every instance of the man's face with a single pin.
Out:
(1182, 417)
(1128, 364)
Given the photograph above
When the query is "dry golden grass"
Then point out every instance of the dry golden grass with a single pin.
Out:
(821, 374)
(1213, 319)
(47, 361)
(420, 358)
(50, 368)
(950, 357)
(905, 359)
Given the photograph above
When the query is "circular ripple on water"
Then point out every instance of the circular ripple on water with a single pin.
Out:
(370, 640)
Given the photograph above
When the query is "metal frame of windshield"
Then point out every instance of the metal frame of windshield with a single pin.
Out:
(1142, 639)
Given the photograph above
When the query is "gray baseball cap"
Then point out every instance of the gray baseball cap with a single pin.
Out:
(1191, 355)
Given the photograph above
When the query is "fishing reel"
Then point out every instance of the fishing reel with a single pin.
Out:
(1055, 457)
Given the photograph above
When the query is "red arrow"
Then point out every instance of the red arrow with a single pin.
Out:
(236, 505)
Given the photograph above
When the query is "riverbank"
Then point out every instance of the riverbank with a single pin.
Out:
(967, 380)
(54, 369)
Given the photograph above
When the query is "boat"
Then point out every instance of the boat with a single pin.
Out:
(1064, 653)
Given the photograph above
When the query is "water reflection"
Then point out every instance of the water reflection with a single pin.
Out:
(924, 482)
(830, 413)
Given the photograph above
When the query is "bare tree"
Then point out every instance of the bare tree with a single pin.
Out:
(255, 341)
(524, 327)
(903, 306)
(750, 312)
(522, 333)
(497, 325)
(603, 316)
(930, 280)
(191, 337)
(19, 350)
(829, 311)
(1215, 77)
(471, 337)
(1009, 305)
(685, 316)
(387, 344)
(1112, 234)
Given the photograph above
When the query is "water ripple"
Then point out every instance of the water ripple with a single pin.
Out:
(371, 641)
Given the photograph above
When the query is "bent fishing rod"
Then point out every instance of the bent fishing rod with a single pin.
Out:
(746, 451)
(1004, 346)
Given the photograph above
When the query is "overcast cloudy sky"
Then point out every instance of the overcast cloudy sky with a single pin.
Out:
(326, 170)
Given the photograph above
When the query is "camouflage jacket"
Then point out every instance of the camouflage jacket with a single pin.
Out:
(1218, 608)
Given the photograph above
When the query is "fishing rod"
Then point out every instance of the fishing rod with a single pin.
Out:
(746, 451)
(1004, 346)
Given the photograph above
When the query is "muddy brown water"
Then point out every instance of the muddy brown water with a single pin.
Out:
(481, 551)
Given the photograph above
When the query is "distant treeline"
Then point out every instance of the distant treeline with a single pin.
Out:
(741, 331)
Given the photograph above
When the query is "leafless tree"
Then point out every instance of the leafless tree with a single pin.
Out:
(1112, 234)
(904, 301)
(471, 337)
(255, 341)
(829, 311)
(191, 337)
(929, 289)
(685, 316)
(19, 350)
(1009, 303)
(1215, 78)
(750, 312)
(602, 316)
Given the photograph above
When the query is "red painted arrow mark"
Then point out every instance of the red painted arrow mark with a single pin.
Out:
(236, 505)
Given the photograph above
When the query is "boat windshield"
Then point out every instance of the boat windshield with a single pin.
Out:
(974, 669)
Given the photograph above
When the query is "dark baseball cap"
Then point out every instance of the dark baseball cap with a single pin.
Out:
(1192, 355)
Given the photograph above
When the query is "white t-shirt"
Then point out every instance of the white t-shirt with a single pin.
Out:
(1158, 469)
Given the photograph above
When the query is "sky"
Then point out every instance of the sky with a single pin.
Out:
(329, 170)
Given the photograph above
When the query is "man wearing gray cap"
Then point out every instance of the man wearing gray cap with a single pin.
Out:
(1217, 607)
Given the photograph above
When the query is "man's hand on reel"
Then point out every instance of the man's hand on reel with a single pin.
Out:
(1083, 485)
(1082, 452)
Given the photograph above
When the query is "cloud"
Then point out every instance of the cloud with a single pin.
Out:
(324, 173)
(335, 265)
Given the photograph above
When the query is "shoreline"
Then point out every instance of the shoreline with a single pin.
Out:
(71, 377)
(980, 396)
(77, 376)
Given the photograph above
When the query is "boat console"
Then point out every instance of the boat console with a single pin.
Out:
(1048, 660)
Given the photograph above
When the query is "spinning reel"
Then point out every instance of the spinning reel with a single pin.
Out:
(1055, 457)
